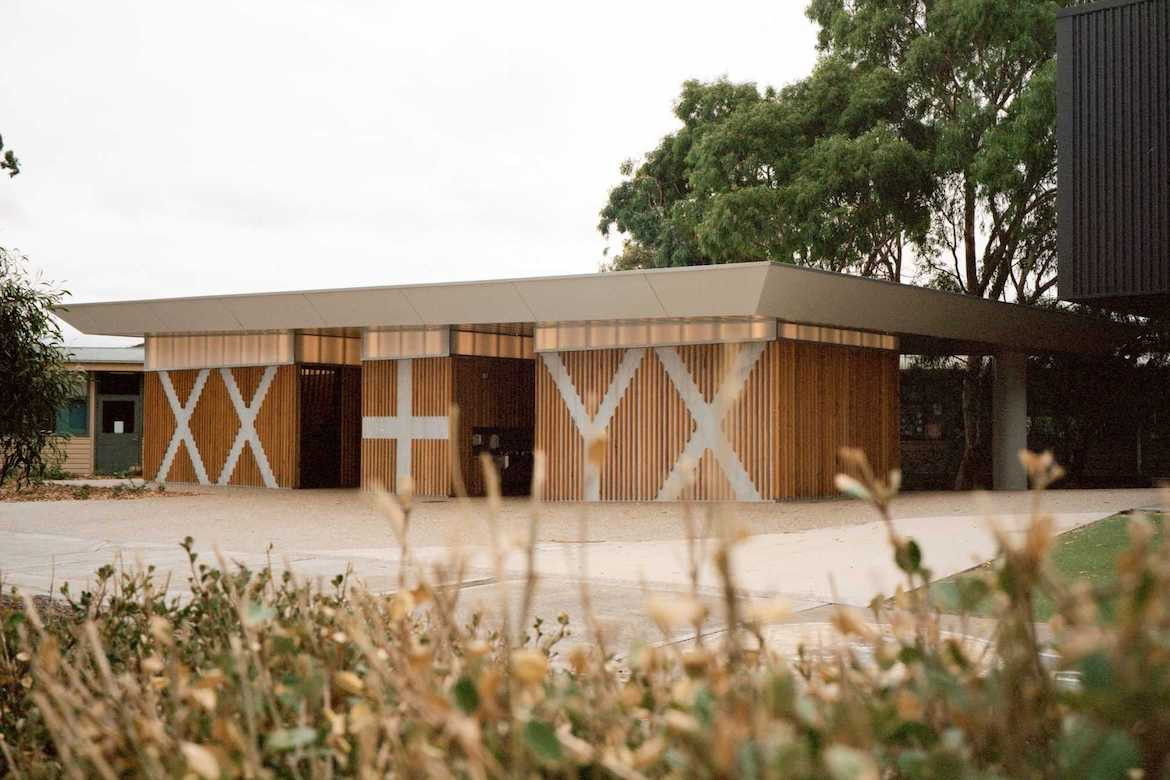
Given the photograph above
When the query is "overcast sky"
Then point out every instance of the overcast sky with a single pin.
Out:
(200, 148)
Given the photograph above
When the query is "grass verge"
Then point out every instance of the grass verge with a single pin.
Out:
(1087, 554)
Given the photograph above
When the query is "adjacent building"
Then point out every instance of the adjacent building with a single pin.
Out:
(101, 426)
(1113, 143)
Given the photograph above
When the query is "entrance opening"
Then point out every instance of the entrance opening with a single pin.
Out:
(118, 427)
(330, 426)
(497, 416)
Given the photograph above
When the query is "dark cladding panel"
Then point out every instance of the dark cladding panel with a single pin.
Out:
(1113, 136)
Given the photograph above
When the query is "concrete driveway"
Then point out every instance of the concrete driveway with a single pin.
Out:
(812, 552)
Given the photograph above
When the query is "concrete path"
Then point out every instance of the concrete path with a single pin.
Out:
(812, 552)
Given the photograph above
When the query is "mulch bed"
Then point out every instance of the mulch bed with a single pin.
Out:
(50, 492)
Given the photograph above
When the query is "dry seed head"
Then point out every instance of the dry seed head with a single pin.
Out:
(361, 718)
(160, 629)
(336, 722)
(848, 623)
(596, 450)
(847, 763)
(1038, 540)
(774, 610)
(670, 613)
(681, 723)
(204, 697)
(631, 695)
(389, 506)
(477, 648)
(348, 682)
(1140, 530)
(683, 692)
(579, 658)
(649, 752)
(578, 749)
(852, 487)
(529, 666)
(696, 660)
(200, 760)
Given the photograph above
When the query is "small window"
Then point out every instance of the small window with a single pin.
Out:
(73, 418)
(117, 417)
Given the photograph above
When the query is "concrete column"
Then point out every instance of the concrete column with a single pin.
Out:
(1009, 420)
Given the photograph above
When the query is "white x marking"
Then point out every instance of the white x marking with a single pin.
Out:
(182, 426)
(709, 433)
(247, 432)
(593, 427)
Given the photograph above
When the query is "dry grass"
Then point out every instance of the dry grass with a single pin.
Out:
(257, 676)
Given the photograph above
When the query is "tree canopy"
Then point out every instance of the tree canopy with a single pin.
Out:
(9, 162)
(34, 381)
(926, 131)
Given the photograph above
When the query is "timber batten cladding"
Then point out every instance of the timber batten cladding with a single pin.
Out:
(198, 434)
(794, 405)
(722, 382)
(489, 391)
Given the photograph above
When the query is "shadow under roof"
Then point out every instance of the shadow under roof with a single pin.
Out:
(927, 321)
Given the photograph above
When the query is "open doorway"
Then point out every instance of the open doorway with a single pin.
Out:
(497, 416)
(330, 426)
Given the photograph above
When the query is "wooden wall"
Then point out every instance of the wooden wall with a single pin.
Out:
(833, 397)
(490, 392)
(431, 394)
(214, 425)
(379, 399)
(799, 405)
(503, 398)
(432, 383)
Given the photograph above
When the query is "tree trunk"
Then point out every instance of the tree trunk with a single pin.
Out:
(970, 464)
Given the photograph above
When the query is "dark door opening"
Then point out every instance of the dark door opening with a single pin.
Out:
(497, 415)
(118, 427)
(330, 423)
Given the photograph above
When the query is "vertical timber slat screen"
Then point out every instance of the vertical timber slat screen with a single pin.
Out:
(430, 381)
(431, 397)
(320, 394)
(215, 429)
(777, 438)
(490, 392)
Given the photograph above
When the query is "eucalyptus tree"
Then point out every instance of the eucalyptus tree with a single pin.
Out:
(921, 148)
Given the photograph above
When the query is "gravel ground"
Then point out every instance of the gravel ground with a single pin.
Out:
(249, 519)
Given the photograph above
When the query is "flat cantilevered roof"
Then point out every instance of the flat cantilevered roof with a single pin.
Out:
(925, 320)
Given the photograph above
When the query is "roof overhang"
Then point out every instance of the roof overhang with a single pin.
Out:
(926, 320)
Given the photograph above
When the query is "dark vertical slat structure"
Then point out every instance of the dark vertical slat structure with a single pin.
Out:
(1113, 138)
(320, 388)
(330, 422)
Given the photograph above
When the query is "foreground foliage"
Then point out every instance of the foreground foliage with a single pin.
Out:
(261, 675)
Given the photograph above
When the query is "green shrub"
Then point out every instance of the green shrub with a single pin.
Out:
(260, 675)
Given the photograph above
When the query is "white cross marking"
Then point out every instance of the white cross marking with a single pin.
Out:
(404, 427)
(247, 432)
(592, 427)
(709, 433)
(182, 426)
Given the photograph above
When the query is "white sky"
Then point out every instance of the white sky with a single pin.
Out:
(201, 148)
